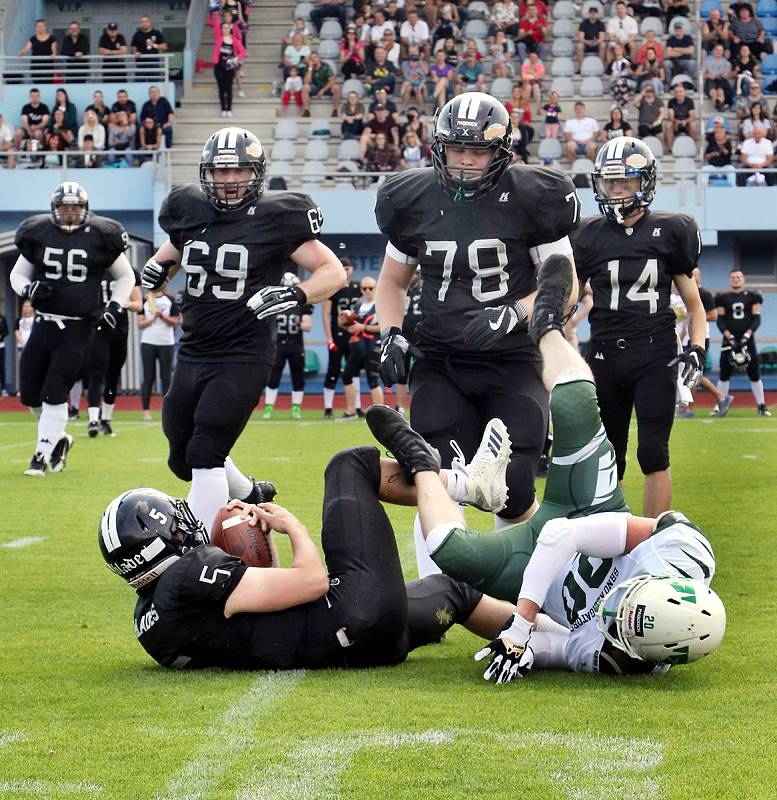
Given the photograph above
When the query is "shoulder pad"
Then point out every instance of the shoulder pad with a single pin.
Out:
(37, 226)
(399, 192)
(548, 198)
(297, 217)
(184, 208)
(114, 235)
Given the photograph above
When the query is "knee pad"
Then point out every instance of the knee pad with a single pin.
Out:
(653, 452)
(520, 486)
(206, 450)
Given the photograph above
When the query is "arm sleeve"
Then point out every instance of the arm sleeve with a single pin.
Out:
(755, 321)
(124, 277)
(21, 274)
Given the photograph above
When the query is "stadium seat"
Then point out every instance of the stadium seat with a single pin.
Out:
(564, 86)
(330, 29)
(283, 150)
(685, 169)
(564, 27)
(476, 29)
(770, 25)
(562, 66)
(348, 165)
(587, 5)
(684, 147)
(592, 86)
(303, 10)
(582, 166)
(306, 187)
(769, 65)
(478, 10)
(684, 21)
(592, 65)
(348, 150)
(282, 169)
(501, 88)
(767, 8)
(329, 49)
(314, 170)
(651, 24)
(562, 47)
(707, 6)
(320, 128)
(687, 80)
(316, 150)
(549, 148)
(286, 128)
(654, 143)
(353, 85)
(564, 9)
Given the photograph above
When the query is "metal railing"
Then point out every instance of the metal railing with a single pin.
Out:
(195, 22)
(91, 69)
(85, 159)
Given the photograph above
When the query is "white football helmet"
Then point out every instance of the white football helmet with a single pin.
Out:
(663, 619)
(290, 279)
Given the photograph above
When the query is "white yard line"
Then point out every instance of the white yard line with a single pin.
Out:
(25, 541)
(48, 790)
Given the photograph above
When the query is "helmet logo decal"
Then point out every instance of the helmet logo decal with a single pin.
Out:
(254, 149)
(494, 131)
(636, 160)
(615, 148)
(688, 592)
(468, 109)
(228, 138)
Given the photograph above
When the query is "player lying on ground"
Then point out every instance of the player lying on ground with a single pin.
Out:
(200, 607)
(592, 567)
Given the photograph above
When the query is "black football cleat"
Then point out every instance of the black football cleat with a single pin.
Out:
(328, 414)
(263, 492)
(58, 459)
(554, 290)
(93, 428)
(37, 468)
(105, 428)
(407, 446)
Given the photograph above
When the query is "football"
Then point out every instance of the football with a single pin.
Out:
(232, 533)
(346, 318)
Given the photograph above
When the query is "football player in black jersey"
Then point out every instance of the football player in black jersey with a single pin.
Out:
(630, 255)
(63, 257)
(233, 241)
(478, 228)
(337, 338)
(290, 326)
(739, 315)
(409, 324)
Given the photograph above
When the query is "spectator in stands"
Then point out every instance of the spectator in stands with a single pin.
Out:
(651, 71)
(717, 72)
(351, 54)
(381, 156)
(756, 118)
(735, 9)
(447, 27)
(502, 50)
(147, 43)
(580, 133)
(89, 159)
(621, 72)
(532, 77)
(505, 17)
(92, 128)
(327, 9)
(58, 125)
(591, 36)
(319, 82)
(160, 110)
(296, 55)
(362, 28)
(414, 121)
(121, 135)
(379, 26)
(149, 138)
(55, 145)
(552, 120)
(292, 87)
(532, 32)
(352, 115)
(756, 153)
(113, 48)
(234, 11)
(382, 123)
(471, 46)
(414, 32)
(395, 14)
(646, 8)
(745, 69)
(414, 73)
(123, 103)
(75, 48)
(680, 55)
(299, 26)
(622, 29)
(380, 97)
(42, 46)
(443, 75)
(749, 30)
(451, 52)
(650, 121)
(7, 143)
(745, 102)
(681, 115)
(718, 121)
(719, 152)
(715, 30)
(381, 73)
(471, 75)
(520, 145)
(35, 120)
(415, 154)
(100, 109)
(617, 126)
(650, 43)
(62, 102)
(677, 8)
(518, 102)
(392, 48)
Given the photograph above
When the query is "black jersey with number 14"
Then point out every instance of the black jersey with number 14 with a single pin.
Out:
(631, 271)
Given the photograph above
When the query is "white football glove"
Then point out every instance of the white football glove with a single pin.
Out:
(154, 273)
(511, 656)
(272, 300)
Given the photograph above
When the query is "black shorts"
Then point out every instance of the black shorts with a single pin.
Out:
(364, 355)
(206, 409)
(53, 359)
(636, 376)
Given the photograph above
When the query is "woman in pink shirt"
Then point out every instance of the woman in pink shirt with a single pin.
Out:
(228, 51)
(532, 75)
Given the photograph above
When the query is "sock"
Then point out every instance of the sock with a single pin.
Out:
(35, 411)
(75, 394)
(106, 412)
(329, 398)
(296, 398)
(51, 427)
(723, 387)
(239, 485)
(270, 396)
(757, 388)
(94, 413)
(423, 560)
(358, 384)
(208, 494)
(500, 523)
(457, 484)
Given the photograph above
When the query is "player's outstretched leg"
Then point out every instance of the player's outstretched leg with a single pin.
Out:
(407, 446)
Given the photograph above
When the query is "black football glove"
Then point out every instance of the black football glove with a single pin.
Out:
(154, 273)
(692, 365)
(37, 290)
(511, 656)
(493, 323)
(393, 361)
(272, 300)
(109, 318)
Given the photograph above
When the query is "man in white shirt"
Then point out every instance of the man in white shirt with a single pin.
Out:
(381, 25)
(622, 29)
(757, 154)
(580, 134)
(414, 31)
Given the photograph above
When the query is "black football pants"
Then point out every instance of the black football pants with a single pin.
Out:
(727, 366)
(294, 353)
(103, 366)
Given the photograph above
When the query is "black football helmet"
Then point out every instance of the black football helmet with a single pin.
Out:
(232, 147)
(143, 532)
(69, 206)
(476, 120)
(621, 161)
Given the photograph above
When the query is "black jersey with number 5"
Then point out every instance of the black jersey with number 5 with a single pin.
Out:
(289, 325)
(474, 256)
(73, 263)
(229, 256)
(738, 309)
(631, 271)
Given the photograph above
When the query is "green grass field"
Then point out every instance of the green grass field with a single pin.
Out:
(84, 713)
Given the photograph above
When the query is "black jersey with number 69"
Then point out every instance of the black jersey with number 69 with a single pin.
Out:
(289, 325)
(631, 271)
(474, 256)
(73, 263)
(229, 256)
(738, 309)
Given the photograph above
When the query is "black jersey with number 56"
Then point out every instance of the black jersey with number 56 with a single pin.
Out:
(474, 256)
(631, 271)
(229, 256)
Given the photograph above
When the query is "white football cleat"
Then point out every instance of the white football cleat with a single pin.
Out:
(486, 474)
